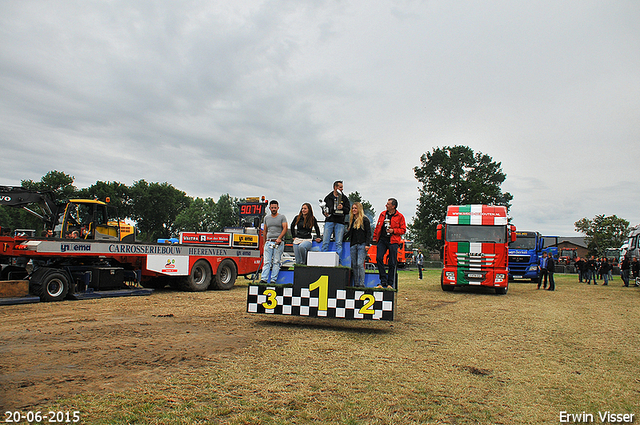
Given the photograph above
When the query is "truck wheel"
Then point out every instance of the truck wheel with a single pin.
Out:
(199, 278)
(226, 275)
(49, 284)
(501, 291)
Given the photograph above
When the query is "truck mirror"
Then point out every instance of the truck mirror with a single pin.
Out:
(439, 232)
(513, 233)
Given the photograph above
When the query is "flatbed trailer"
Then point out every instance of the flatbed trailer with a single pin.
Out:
(67, 268)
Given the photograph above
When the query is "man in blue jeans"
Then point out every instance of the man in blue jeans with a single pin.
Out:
(275, 227)
(335, 211)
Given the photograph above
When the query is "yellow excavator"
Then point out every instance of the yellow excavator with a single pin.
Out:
(75, 218)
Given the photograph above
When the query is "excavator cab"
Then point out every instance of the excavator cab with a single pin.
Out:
(77, 218)
(87, 219)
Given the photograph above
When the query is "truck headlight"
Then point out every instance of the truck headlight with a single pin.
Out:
(500, 277)
(450, 275)
(533, 268)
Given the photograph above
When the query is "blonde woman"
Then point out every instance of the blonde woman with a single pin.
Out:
(359, 235)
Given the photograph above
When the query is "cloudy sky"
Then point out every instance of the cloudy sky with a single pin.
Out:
(280, 98)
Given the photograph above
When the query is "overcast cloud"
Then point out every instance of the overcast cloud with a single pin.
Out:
(280, 98)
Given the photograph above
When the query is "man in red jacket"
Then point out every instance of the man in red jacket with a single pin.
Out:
(388, 234)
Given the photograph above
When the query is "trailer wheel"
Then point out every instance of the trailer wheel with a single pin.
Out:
(226, 275)
(200, 277)
(49, 284)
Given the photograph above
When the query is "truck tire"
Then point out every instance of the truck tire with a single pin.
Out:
(200, 277)
(446, 288)
(49, 284)
(226, 275)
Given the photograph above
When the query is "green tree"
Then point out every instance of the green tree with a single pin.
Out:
(454, 176)
(116, 192)
(603, 232)
(366, 205)
(155, 207)
(226, 212)
(199, 216)
(58, 183)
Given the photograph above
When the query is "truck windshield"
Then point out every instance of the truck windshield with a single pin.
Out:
(523, 242)
(469, 233)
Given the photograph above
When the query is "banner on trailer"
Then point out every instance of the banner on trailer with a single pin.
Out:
(169, 265)
(241, 240)
(222, 239)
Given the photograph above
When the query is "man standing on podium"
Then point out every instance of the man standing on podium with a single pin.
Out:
(388, 234)
(336, 209)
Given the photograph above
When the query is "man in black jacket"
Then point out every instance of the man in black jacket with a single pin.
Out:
(624, 270)
(551, 268)
(336, 210)
(592, 266)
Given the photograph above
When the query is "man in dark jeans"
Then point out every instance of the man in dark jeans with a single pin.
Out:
(388, 234)
(591, 270)
(543, 271)
(624, 270)
(551, 268)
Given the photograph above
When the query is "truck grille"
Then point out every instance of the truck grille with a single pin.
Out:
(475, 262)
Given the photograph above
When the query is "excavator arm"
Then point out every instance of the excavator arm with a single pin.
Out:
(15, 196)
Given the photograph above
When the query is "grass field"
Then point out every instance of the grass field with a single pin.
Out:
(454, 358)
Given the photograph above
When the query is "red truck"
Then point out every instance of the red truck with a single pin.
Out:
(102, 259)
(476, 247)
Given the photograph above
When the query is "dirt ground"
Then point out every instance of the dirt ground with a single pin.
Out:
(55, 350)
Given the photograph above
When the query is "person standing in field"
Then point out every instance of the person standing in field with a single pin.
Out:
(580, 268)
(605, 268)
(551, 268)
(419, 262)
(543, 271)
(624, 270)
(275, 227)
(635, 271)
(591, 270)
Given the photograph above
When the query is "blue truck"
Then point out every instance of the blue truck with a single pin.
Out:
(525, 253)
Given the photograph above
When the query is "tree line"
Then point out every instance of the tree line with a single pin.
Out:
(447, 176)
(158, 209)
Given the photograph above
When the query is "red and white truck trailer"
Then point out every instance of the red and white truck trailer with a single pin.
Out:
(58, 267)
(476, 247)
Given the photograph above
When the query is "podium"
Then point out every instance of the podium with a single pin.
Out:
(322, 292)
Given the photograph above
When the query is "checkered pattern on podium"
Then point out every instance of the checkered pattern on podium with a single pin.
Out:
(344, 303)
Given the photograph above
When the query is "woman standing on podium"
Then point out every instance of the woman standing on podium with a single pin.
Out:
(359, 236)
